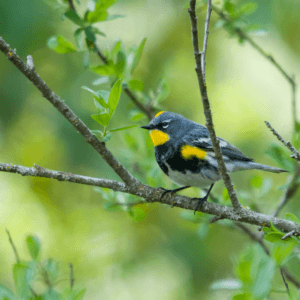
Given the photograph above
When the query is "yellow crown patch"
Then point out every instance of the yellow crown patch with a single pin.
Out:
(161, 112)
(189, 152)
(158, 137)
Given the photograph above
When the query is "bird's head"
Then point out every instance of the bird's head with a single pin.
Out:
(165, 126)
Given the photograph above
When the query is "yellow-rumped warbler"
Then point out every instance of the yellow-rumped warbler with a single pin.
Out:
(184, 152)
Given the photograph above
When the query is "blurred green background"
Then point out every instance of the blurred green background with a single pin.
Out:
(163, 256)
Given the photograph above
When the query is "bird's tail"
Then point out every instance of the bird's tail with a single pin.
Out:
(266, 168)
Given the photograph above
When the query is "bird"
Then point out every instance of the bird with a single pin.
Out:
(184, 152)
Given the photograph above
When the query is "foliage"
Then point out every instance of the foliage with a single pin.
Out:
(27, 273)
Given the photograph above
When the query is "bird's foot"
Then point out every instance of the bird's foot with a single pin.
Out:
(172, 192)
(200, 202)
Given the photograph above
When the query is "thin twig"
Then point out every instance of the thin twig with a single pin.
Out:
(247, 38)
(151, 195)
(215, 219)
(284, 281)
(68, 114)
(205, 40)
(287, 144)
(13, 246)
(71, 4)
(72, 279)
(289, 234)
(290, 192)
(207, 111)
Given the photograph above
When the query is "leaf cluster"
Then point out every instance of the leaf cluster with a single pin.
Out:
(26, 273)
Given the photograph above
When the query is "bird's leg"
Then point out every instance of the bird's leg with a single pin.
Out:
(202, 200)
(172, 191)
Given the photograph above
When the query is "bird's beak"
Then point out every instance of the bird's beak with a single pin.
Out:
(148, 127)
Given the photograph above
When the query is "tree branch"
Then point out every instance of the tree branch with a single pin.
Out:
(154, 195)
(68, 114)
(244, 36)
(206, 105)
(296, 154)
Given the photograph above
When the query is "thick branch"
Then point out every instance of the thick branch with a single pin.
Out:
(153, 195)
(206, 105)
(67, 113)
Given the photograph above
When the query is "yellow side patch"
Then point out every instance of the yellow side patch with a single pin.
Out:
(189, 152)
(161, 112)
(158, 137)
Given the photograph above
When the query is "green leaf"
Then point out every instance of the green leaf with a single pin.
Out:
(274, 237)
(90, 90)
(34, 246)
(267, 230)
(116, 48)
(98, 15)
(6, 293)
(112, 207)
(256, 181)
(102, 119)
(225, 195)
(123, 128)
(80, 294)
(97, 133)
(114, 96)
(136, 85)
(138, 54)
(137, 213)
(291, 217)
(23, 276)
(97, 31)
(121, 63)
(263, 279)
(281, 156)
(281, 251)
(72, 16)
(248, 8)
(108, 69)
(78, 38)
(100, 80)
(60, 45)
(106, 138)
(229, 7)
(89, 33)
(105, 95)
(226, 284)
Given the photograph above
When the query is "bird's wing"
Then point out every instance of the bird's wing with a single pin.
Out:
(200, 138)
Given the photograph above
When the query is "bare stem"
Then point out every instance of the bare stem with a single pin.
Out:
(206, 105)
(13, 246)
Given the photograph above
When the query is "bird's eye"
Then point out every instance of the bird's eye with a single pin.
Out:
(165, 125)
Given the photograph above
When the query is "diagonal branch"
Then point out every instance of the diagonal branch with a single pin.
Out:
(296, 154)
(68, 114)
(244, 36)
(206, 105)
(154, 195)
